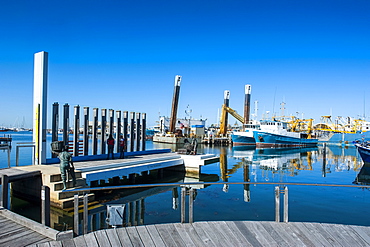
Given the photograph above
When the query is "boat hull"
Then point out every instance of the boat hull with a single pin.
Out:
(243, 139)
(364, 152)
(264, 139)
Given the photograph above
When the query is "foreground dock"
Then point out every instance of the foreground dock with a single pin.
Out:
(225, 233)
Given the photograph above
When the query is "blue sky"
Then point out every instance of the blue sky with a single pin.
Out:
(124, 55)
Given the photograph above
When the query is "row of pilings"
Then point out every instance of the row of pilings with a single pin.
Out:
(131, 126)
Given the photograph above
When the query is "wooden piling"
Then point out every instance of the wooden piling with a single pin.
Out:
(111, 121)
(85, 213)
(86, 131)
(54, 125)
(118, 130)
(95, 131)
(132, 131)
(277, 204)
(137, 131)
(45, 205)
(103, 127)
(75, 216)
(143, 131)
(66, 124)
(76, 131)
(4, 191)
(125, 126)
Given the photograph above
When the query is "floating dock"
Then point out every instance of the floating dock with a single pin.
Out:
(93, 171)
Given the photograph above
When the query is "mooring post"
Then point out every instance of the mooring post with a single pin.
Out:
(111, 121)
(95, 131)
(118, 129)
(138, 131)
(9, 156)
(66, 124)
(76, 131)
(286, 204)
(85, 213)
(132, 131)
(4, 191)
(54, 125)
(277, 204)
(143, 131)
(191, 204)
(45, 205)
(183, 198)
(75, 216)
(86, 131)
(125, 126)
(103, 127)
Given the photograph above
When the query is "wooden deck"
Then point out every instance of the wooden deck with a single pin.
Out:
(14, 234)
(16, 230)
(225, 233)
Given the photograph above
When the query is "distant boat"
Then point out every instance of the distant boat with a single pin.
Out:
(364, 150)
(277, 134)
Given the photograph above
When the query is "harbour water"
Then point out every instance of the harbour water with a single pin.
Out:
(332, 165)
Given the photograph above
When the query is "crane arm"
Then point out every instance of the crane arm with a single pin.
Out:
(225, 109)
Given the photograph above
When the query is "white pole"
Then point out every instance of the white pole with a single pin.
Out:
(40, 80)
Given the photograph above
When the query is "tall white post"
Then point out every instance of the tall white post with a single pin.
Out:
(40, 82)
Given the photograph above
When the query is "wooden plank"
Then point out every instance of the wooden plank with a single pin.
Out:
(306, 240)
(29, 237)
(314, 238)
(123, 236)
(237, 233)
(261, 234)
(90, 240)
(165, 234)
(145, 236)
(361, 232)
(288, 236)
(158, 241)
(175, 235)
(221, 228)
(247, 233)
(56, 243)
(68, 243)
(113, 237)
(134, 236)
(189, 230)
(186, 239)
(102, 238)
(348, 233)
(313, 231)
(203, 235)
(274, 234)
(80, 241)
(339, 240)
(47, 244)
(210, 231)
(326, 235)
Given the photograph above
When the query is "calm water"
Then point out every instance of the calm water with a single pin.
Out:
(236, 202)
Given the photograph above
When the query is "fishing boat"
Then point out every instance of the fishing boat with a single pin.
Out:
(278, 134)
(245, 137)
(364, 150)
(342, 131)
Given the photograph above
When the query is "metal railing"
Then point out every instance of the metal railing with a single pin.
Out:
(186, 190)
